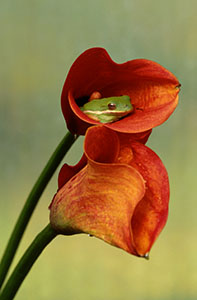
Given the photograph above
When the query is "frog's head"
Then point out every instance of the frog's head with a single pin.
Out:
(107, 110)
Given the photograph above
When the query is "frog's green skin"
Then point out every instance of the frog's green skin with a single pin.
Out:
(107, 110)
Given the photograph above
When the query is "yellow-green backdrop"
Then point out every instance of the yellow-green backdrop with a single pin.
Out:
(39, 40)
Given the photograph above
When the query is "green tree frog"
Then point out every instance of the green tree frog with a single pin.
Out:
(107, 110)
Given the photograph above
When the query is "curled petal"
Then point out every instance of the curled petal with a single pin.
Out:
(153, 91)
(101, 145)
(151, 212)
(67, 172)
(146, 119)
(119, 192)
(100, 200)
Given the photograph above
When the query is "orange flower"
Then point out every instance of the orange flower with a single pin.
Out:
(118, 192)
(153, 91)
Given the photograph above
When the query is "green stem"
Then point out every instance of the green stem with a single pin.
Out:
(31, 203)
(27, 261)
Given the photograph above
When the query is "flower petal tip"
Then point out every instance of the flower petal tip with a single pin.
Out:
(146, 256)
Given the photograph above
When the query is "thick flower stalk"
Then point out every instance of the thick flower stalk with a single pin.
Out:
(153, 91)
(118, 192)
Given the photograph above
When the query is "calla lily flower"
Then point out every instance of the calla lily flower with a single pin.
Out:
(118, 192)
(153, 91)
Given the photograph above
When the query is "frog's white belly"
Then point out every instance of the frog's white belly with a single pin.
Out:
(107, 112)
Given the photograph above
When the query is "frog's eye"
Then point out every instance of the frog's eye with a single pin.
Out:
(112, 106)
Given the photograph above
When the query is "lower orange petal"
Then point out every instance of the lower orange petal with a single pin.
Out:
(100, 200)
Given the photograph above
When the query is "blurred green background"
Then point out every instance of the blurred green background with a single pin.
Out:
(39, 40)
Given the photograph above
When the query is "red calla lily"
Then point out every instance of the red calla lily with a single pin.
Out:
(118, 192)
(153, 91)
